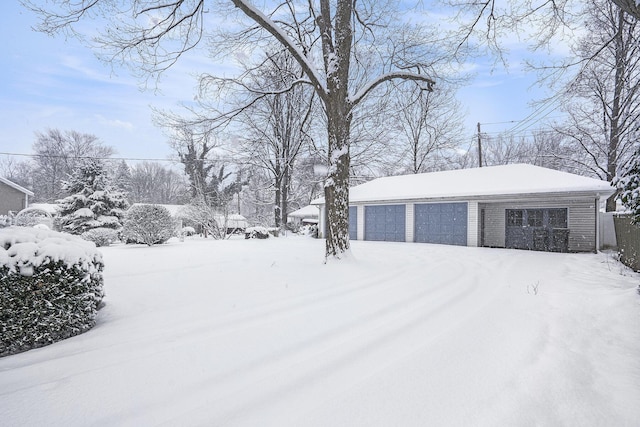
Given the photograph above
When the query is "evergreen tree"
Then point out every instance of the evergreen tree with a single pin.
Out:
(628, 184)
(122, 179)
(92, 201)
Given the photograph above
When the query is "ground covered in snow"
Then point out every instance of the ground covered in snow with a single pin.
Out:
(262, 333)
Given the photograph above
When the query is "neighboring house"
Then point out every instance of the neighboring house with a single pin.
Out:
(13, 198)
(511, 206)
(307, 215)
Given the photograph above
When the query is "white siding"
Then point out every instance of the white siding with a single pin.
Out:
(409, 222)
(472, 223)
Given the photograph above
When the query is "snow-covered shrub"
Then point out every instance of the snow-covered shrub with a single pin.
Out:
(256, 233)
(148, 224)
(30, 217)
(92, 202)
(5, 221)
(628, 183)
(188, 231)
(51, 286)
(101, 236)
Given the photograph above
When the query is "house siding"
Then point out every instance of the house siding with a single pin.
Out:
(11, 199)
(581, 220)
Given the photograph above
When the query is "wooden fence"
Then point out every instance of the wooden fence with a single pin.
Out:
(628, 237)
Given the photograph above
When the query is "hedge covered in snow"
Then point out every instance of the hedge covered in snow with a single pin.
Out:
(51, 286)
(148, 224)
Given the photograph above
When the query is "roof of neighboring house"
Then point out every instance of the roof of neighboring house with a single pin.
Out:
(174, 210)
(16, 186)
(477, 182)
(309, 211)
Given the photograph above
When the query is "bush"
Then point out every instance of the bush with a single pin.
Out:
(32, 216)
(256, 233)
(101, 236)
(188, 231)
(148, 224)
(51, 286)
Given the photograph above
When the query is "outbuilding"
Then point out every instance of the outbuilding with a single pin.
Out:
(511, 206)
(13, 198)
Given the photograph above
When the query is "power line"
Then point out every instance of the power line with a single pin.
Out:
(62, 156)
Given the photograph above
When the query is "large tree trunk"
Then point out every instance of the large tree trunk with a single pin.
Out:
(336, 193)
(614, 136)
(336, 47)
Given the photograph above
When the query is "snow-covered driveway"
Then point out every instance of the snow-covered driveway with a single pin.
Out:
(261, 333)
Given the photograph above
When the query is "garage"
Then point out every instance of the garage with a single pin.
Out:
(353, 223)
(442, 223)
(384, 223)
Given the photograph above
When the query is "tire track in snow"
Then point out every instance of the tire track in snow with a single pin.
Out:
(335, 349)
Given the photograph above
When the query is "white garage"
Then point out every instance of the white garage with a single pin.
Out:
(510, 206)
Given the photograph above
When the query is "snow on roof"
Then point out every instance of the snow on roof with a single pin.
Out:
(174, 210)
(16, 186)
(309, 211)
(477, 182)
(51, 208)
(232, 221)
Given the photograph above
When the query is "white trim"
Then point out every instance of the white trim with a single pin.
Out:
(409, 222)
(473, 219)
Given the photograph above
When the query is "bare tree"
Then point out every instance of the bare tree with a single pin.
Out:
(17, 171)
(277, 128)
(154, 34)
(151, 182)
(603, 101)
(57, 155)
(429, 124)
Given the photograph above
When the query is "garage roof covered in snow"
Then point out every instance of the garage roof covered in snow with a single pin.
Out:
(477, 182)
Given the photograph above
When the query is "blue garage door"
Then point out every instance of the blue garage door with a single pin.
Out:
(444, 223)
(384, 223)
(353, 222)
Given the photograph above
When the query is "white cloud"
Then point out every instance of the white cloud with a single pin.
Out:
(114, 122)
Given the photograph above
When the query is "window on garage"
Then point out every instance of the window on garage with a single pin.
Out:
(514, 217)
(558, 218)
(535, 217)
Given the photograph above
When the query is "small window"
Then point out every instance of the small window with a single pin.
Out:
(534, 217)
(558, 218)
(514, 218)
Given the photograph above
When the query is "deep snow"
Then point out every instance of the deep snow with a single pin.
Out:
(262, 333)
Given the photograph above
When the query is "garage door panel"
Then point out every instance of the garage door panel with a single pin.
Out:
(442, 223)
(384, 223)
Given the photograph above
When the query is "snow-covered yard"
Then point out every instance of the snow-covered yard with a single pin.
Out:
(262, 333)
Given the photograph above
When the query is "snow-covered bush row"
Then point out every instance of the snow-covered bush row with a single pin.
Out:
(5, 221)
(101, 236)
(256, 233)
(148, 224)
(188, 231)
(51, 286)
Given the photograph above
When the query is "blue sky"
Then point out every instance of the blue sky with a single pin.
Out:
(50, 82)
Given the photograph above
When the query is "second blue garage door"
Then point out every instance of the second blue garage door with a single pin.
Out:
(384, 223)
(444, 223)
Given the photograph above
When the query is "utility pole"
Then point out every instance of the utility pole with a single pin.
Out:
(479, 147)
